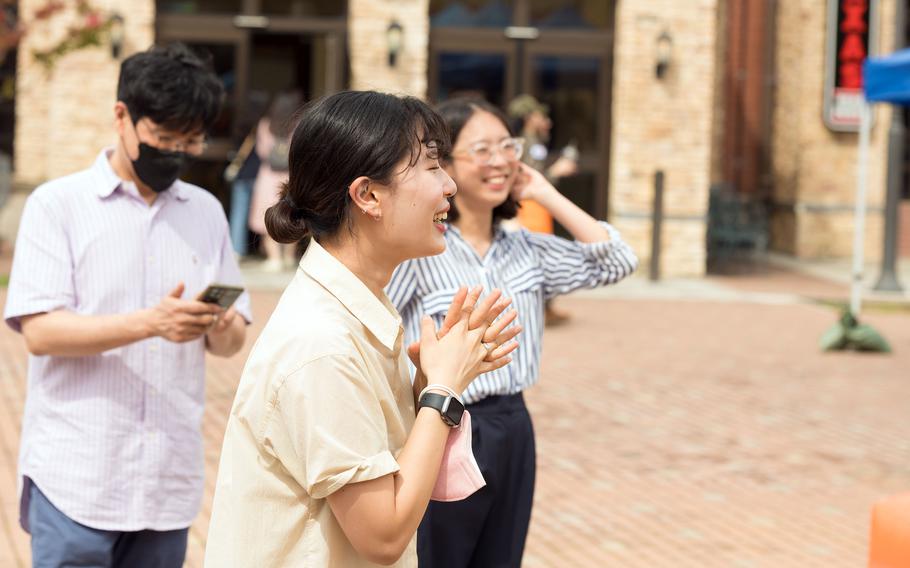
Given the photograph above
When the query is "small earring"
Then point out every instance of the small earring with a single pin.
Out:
(364, 211)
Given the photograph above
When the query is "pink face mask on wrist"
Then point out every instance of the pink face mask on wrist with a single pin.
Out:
(459, 475)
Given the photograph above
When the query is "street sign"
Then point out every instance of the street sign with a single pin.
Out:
(851, 37)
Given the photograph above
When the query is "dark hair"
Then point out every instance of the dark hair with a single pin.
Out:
(282, 113)
(172, 86)
(338, 139)
(456, 113)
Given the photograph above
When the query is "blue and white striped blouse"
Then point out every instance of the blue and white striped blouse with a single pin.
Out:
(528, 267)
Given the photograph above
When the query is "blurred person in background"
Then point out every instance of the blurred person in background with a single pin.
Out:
(531, 119)
(241, 174)
(273, 139)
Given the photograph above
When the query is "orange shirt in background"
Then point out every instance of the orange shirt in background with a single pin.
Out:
(534, 217)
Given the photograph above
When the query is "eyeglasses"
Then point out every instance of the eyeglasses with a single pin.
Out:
(170, 142)
(482, 152)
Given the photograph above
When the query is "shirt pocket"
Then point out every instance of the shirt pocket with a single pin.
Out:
(528, 281)
(526, 289)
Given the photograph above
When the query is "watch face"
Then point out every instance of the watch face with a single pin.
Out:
(450, 408)
(453, 412)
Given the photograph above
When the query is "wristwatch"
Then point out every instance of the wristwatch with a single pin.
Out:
(450, 408)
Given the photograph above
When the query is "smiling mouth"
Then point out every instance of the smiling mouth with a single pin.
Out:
(441, 217)
(496, 179)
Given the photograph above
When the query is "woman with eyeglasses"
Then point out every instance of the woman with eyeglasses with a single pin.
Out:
(489, 527)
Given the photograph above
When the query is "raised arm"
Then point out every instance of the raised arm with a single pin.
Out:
(531, 184)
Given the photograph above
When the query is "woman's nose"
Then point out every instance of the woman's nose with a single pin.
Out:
(498, 159)
(449, 187)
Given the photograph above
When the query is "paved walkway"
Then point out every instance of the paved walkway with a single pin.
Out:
(676, 427)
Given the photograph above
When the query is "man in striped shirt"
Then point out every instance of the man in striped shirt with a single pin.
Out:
(106, 265)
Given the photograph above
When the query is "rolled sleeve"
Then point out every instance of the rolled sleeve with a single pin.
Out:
(571, 265)
(335, 428)
(42, 273)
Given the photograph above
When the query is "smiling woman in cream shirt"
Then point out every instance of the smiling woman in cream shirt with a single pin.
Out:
(325, 462)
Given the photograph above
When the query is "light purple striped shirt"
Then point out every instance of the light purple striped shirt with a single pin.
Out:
(114, 440)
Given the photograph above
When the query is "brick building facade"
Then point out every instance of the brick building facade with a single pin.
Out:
(814, 168)
(675, 123)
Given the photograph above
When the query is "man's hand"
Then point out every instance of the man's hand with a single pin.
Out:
(227, 333)
(180, 320)
(222, 323)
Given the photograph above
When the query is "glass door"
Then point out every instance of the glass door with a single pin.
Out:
(229, 49)
(558, 51)
(465, 70)
(574, 82)
(256, 54)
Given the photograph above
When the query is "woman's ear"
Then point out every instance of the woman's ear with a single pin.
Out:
(364, 198)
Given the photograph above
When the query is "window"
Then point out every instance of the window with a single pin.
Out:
(471, 13)
(200, 6)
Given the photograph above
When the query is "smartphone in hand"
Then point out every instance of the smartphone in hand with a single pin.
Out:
(220, 294)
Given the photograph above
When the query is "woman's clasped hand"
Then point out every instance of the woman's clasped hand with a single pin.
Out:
(484, 332)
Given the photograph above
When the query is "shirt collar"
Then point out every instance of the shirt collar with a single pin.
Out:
(110, 181)
(378, 316)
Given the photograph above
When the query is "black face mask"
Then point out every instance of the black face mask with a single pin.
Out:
(158, 169)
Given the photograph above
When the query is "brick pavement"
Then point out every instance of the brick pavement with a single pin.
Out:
(670, 434)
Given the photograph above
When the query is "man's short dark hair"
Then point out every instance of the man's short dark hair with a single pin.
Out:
(172, 86)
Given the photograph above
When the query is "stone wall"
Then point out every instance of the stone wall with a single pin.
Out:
(814, 168)
(664, 124)
(368, 21)
(64, 116)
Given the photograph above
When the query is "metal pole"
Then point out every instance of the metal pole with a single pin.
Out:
(859, 218)
(888, 281)
(657, 217)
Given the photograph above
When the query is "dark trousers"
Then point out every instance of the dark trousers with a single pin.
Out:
(488, 529)
(60, 542)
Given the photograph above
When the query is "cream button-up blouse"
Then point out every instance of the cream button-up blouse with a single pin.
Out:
(324, 400)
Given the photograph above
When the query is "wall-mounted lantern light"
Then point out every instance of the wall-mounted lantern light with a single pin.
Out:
(393, 36)
(664, 54)
(117, 34)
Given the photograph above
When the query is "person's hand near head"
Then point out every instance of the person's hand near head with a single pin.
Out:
(531, 184)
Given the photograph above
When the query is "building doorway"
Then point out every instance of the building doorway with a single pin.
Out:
(559, 51)
(259, 48)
